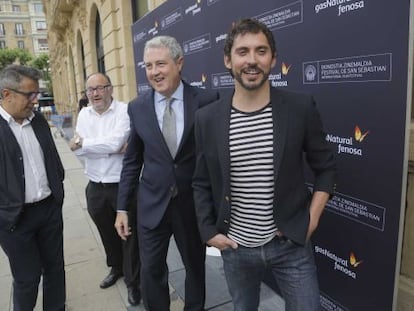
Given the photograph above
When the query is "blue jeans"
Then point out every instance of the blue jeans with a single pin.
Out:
(292, 265)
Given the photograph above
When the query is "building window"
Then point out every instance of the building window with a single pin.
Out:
(2, 31)
(43, 45)
(139, 8)
(2, 44)
(20, 44)
(38, 8)
(99, 44)
(19, 29)
(16, 8)
(41, 25)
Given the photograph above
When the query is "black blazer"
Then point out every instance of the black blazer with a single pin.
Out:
(148, 159)
(297, 130)
(12, 183)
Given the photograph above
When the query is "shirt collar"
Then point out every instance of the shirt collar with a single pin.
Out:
(110, 108)
(6, 116)
(178, 94)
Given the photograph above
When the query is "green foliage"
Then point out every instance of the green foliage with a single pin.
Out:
(7, 57)
(10, 56)
(41, 62)
(23, 56)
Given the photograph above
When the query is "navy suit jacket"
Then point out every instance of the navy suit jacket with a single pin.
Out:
(149, 164)
(12, 182)
(297, 130)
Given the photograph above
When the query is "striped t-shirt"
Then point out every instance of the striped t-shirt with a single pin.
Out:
(251, 177)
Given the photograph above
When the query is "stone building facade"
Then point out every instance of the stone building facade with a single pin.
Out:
(86, 36)
(23, 25)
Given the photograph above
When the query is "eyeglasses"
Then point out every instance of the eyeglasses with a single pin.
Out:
(29, 95)
(99, 88)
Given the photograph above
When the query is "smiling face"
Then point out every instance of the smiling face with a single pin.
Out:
(163, 72)
(99, 91)
(20, 106)
(250, 61)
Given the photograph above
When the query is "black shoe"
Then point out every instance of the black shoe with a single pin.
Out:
(134, 296)
(111, 278)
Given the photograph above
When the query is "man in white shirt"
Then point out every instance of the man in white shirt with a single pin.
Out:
(101, 135)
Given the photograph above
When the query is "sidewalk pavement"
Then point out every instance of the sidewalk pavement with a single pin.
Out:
(86, 267)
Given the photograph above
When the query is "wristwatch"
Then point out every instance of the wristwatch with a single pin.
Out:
(78, 141)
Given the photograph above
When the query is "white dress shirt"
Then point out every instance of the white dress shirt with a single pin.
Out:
(177, 105)
(103, 137)
(35, 176)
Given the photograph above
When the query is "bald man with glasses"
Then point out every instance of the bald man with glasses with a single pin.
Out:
(102, 130)
(31, 188)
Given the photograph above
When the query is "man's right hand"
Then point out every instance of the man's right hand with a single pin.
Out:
(121, 225)
(221, 242)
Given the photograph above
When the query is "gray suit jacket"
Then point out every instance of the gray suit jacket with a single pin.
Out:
(297, 131)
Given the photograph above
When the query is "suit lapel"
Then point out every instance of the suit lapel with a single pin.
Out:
(280, 121)
(190, 107)
(222, 136)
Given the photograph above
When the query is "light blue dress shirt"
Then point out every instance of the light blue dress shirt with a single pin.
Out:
(178, 107)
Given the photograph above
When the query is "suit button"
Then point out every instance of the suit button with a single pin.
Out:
(175, 165)
(227, 198)
(225, 221)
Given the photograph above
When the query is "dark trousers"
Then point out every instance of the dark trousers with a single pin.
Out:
(34, 249)
(101, 200)
(154, 243)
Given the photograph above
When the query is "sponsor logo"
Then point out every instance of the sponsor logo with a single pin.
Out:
(346, 144)
(284, 16)
(345, 266)
(328, 303)
(221, 37)
(344, 6)
(221, 80)
(361, 68)
(201, 83)
(172, 18)
(141, 65)
(154, 30)
(360, 211)
(358, 134)
(285, 69)
(200, 43)
(194, 9)
(140, 36)
(310, 73)
(143, 87)
(353, 260)
(277, 79)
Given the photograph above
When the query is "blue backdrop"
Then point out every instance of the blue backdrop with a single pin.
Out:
(352, 56)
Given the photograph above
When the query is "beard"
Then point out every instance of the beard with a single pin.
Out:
(253, 85)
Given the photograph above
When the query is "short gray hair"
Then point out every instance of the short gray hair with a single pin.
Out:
(168, 42)
(12, 75)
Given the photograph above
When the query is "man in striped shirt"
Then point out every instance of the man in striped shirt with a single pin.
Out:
(249, 186)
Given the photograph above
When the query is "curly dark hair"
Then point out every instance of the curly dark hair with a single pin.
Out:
(244, 26)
